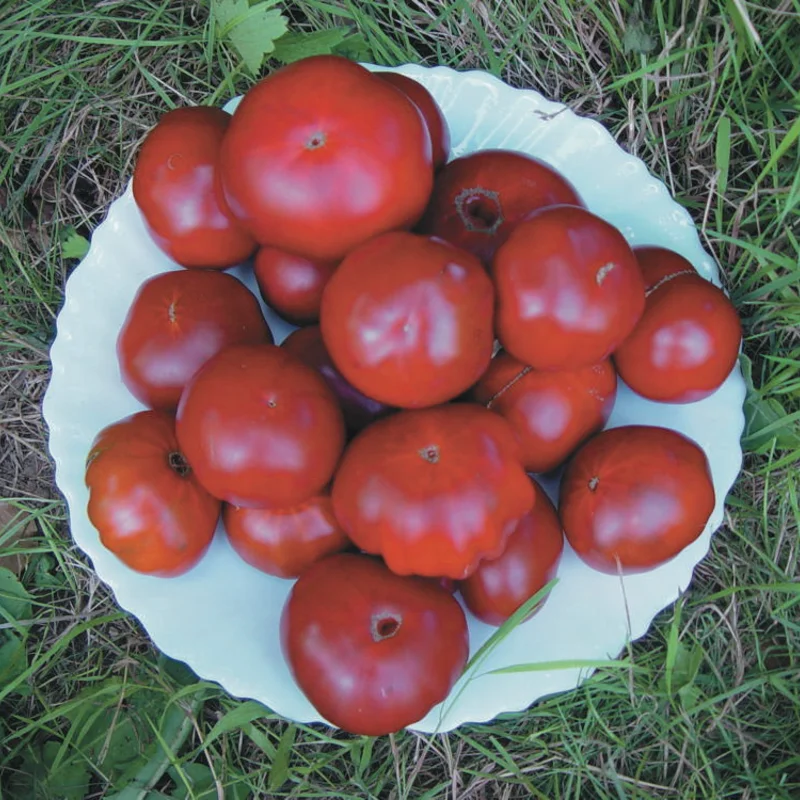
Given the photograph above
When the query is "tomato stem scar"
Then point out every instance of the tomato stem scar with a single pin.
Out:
(178, 463)
(480, 210)
(430, 454)
(384, 626)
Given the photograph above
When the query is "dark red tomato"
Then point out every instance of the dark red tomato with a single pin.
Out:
(260, 428)
(177, 321)
(408, 319)
(358, 409)
(479, 198)
(687, 341)
(372, 651)
(285, 541)
(529, 562)
(290, 284)
(433, 491)
(569, 290)
(145, 501)
(551, 412)
(321, 156)
(429, 108)
(634, 497)
(175, 187)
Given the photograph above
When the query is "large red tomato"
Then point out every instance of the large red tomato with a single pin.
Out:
(529, 562)
(407, 319)
(321, 155)
(551, 412)
(479, 198)
(687, 341)
(177, 321)
(569, 289)
(358, 409)
(285, 541)
(290, 284)
(433, 491)
(371, 650)
(429, 108)
(259, 427)
(144, 499)
(175, 187)
(633, 497)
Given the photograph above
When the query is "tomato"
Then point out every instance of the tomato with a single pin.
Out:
(358, 409)
(285, 541)
(434, 490)
(569, 289)
(551, 412)
(321, 155)
(687, 341)
(633, 497)
(290, 284)
(408, 319)
(145, 501)
(499, 586)
(259, 427)
(429, 108)
(176, 190)
(372, 651)
(177, 321)
(478, 199)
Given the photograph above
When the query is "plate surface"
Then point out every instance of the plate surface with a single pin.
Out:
(222, 617)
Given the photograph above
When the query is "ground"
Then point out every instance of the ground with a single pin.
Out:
(706, 94)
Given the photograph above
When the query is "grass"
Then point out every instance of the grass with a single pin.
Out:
(706, 93)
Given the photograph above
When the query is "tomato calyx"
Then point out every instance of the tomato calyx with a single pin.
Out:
(430, 454)
(385, 625)
(516, 379)
(594, 482)
(666, 279)
(480, 210)
(316, 140)
(178, 464)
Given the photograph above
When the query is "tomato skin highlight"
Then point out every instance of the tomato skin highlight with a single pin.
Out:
(634, 497)
(530, 560)
(433, 491)
(551, 412)
(687, 341)
(260, 428)
(321, 155)
(176, 189)
(372, 651)
(177, 321)
(407, 320)
(569, 289)
(147, 505)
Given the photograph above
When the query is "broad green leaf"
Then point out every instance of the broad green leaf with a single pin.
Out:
(295, 46)
(13, 658)
(236, 718)
(200, 782)
(355, 47)
(69, 780)
(251, 29)
(74, 245)
(679, 678)
(279, 773)
(636, 39)
(176, 670)
(15, 602)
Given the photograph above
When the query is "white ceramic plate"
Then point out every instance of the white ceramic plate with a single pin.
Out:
(222, 617)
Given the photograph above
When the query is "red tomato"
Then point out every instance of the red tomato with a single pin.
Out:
(260, 428)
(551, 412)
(634, 497)
(372, 651)
(290, 284)
(177, 321)
(285, 541)
(358, 409)
(408, 320)
(321, 156)
(529, 562)
(478, 199)
(144, 499)
(175, 188)
(569, 289)
(433, 491)
(429, 108)
(687, 341)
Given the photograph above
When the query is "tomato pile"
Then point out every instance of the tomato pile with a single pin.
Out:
(463, 323)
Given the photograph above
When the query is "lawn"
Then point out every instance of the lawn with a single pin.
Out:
(706, 93)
